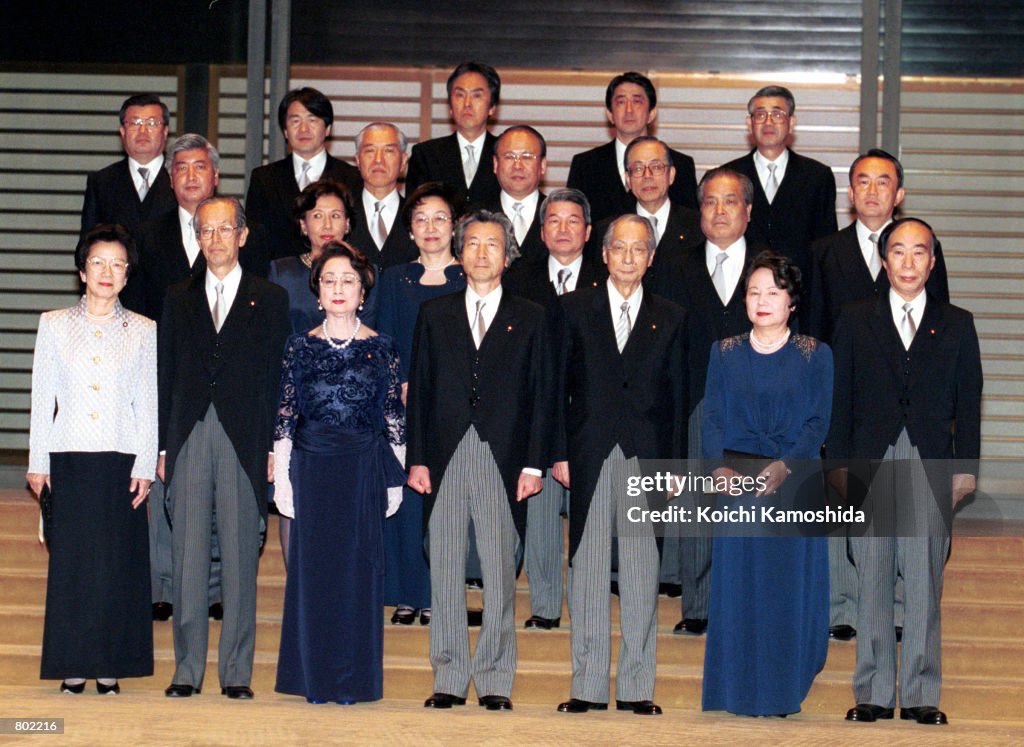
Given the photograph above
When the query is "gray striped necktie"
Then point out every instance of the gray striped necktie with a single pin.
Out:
(144, 189)
(907, 328)
(772, 185)
(218, 307)
(718, 277)
(479, 325)
(304, 180)
(875, 265)
(623, 327)
(379, 228)
(563, 277)
(469, 165)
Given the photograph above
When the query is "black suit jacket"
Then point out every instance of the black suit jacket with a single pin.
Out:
(804, 208)
(440, 160)
(933, 389)
(237, 369)
(529, 279)
(272, 192)
(164, 263)
(596, 174)
(636, 399)
(532, 246)
(110, 197)
(839, 276)
(687, 282)
(682, 235)
(506, 389)
(399, 247)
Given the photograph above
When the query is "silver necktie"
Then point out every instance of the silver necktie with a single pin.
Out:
(218, 307)
(144, 189)
(772, 185)
(304, 180)
(718, 277)
(469, 165)
(875, 263)
(907, 328)
(518, 223)
(654, 225)
(380, 229)
(563, 277)
(623, 327)
(479, 326)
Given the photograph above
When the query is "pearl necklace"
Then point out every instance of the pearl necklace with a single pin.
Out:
(97, 319)
(342, 346)
(427, 268)
(768, 347)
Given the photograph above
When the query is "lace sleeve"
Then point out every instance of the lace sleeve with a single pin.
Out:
(288, 409)
(394, 410)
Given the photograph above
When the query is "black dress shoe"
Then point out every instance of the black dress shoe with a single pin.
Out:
(639, 707)
(670, 590)
(924, 715)
(216, 611)
(868, 713)
(181, 691)
(842, 632)
(403, 616)
(425, 617)
(237, 692)
(899, 634)
(162, 611)
(536, 622)
(474, 583)
(614, 588)
(72, 689)
(496, 703)
(474, 618)
(575, 705)
(443, 700)
(107, 689)
(691, 626)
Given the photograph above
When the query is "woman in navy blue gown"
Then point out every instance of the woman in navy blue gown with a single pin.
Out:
(769, 393)
(430, 213)
(322, 211)
(340, 412)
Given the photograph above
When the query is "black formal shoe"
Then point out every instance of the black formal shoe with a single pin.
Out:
(496, 703)
(237, 692)
(72, 689)
(924, 715)
(474, 618)
(868, 713)
(575, 705)
(107, 689)
(162, 611)
(639, 707)
(474, 583)
(216, 611)
(670, 590)
(536, 622)
(181, 691)
(899, 634)
(615, 588)
(691, 626)
(443, 700)
(403, 616)
(425, 617)
(842, 632)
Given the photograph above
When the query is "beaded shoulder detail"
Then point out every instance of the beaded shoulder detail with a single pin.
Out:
(731, 343)
(804, 344)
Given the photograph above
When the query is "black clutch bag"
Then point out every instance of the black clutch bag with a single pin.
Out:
(46, 511)
(745, 463)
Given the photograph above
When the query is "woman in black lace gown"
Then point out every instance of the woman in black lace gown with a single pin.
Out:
(340, 412)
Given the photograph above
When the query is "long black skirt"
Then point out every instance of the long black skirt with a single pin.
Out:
(98, 611)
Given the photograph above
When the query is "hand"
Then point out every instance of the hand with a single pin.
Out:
(270, 467)
(560, 471)
(160, 464)
(405, 392)
(528, 485)
(839, 480)
(37, 481)
(774, 475)
(419, 479)
(394, 501)
(963, 486)
(141, 490)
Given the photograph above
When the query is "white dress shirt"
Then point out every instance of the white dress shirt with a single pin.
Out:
(529, 210)
(317, 164)
(154, 167)
(620, 155)
(661, 216)
(917, 305)
(478, 149)
(732, 268)
(761, 164)
(864, 240)
(389, 212)
(188, 235)
(231, 281)
(615, 299)
(574, 267)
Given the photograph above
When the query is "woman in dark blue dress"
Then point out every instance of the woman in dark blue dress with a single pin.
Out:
(322, 211)
(340, 412)
(430, 212)
(769, 393)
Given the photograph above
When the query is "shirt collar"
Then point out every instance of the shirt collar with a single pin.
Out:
(316, 165)
(478, 145)
(615, 299)
(620, 155)
(917, 305)
(529, 204)
(554, 266)
(231, 280)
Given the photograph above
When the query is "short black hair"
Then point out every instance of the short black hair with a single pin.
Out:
(144, 99)
(315, 102)
(885, 156)
(778, 92)
(307, 198)
(489, 73)
(104, 232)
(889, 230)
(631, 77)
(362, 266)
(442, 190)
(647, 139)
(524, 128)
(486, 216)
(784, 270)
(745, 184)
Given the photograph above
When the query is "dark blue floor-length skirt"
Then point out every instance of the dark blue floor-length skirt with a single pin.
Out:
(406, 573)
(332, 635)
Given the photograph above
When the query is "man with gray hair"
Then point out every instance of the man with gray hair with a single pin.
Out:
(480, 411)
(376, 228)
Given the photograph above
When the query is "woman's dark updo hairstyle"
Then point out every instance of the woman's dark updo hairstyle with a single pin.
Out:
(307, 198)
(785, 272)
(333, 249)
(107, 232)
(456, 205)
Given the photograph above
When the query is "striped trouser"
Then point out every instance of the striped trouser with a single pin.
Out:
(545, 548)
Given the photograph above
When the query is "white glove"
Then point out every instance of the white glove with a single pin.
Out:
(395, 494)
(283, 497)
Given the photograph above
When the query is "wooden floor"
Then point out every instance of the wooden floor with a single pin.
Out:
(983, 684)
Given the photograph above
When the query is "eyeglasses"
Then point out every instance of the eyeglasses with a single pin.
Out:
(420, 220)
(760, 116)
(636, 250)
(117, 266)
(638, 168)
(225, 232)
(347, 280)
(514, 157)
(136, 122)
